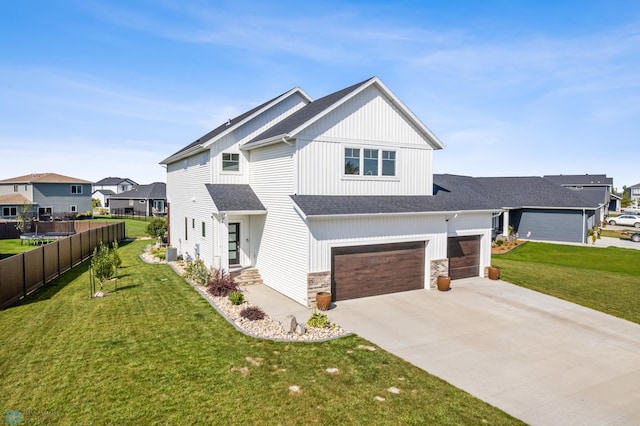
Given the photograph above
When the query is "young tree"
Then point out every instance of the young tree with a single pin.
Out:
(157, 227)
(102, 263)
(24, 218)
(626, 197)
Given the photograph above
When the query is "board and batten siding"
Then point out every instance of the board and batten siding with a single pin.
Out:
(367, 230)
(232, 142)
(369, 120)
(550, 225)
(188, 197)
(282, 257)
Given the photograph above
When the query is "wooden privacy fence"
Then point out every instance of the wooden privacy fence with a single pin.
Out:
(23, 273)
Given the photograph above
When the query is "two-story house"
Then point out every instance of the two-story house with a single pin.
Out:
(51, 195)
(634, 195)
(334, 194)
(105, 188)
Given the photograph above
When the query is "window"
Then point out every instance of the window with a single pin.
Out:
(142, 201)
(388, 163)
(230, 162)
(193, 223)
(15, 188)
(351, 161)
(375, 162)
(186, 229)
(9, 211)
(204, 229)
(73, 209)
(76, 189)
(130, 202)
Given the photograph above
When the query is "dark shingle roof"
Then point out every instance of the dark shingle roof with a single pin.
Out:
(305, 114)
(105, 191)
(154, 191)
(223, 127)
(451, 193)
(113, 181)
(584, 180)
(232, 197)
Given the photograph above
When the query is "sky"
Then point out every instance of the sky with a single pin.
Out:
(92, 88)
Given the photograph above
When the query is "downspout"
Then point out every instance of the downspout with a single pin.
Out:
(584, 224)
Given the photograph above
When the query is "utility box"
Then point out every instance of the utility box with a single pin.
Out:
(172, 254)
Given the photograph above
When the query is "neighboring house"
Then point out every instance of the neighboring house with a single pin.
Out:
(104, 188)
(634, 194)
(535, 207)
(141, 200)
(593, 189)
(52, 196)
(11, 205)
(335, 194)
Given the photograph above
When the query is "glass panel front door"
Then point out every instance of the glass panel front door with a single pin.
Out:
(234, 244)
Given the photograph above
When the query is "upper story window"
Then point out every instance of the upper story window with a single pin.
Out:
(230, 162)
(15, 188)
(375, 162)
(76, 189)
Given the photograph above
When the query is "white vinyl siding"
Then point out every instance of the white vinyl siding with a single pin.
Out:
(282, 259)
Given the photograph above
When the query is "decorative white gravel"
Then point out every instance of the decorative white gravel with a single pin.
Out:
(267, 328)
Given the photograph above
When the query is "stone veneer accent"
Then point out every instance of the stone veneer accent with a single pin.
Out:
(316, 282)
(439, 267)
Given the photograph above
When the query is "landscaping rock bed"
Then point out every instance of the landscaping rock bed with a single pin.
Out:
(266, 328)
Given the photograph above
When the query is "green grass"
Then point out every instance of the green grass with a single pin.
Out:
(11, 247)
(605, 279)
(134, 228)
(155, 352)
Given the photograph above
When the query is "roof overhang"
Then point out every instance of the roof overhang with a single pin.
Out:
(391, 214)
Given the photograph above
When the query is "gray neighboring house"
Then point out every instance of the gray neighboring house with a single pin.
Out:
(536, 208)
(105, 188)
(141, 200)
(51, 195)
(592, 188)
(634, 194)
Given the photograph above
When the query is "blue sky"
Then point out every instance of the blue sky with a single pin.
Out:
(93, 88)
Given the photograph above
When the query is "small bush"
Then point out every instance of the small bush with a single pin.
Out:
(157, 227)
(221, 284)
(499, 243)
(236, 297)
(197, 272)
(318, 320)
(252, 313)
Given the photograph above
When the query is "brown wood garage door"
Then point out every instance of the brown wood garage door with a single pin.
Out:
(464, 257)
(363, 271)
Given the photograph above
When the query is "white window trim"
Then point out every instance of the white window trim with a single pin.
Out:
(230, 172)
(73, 208)
(78, 189)
(361, 176)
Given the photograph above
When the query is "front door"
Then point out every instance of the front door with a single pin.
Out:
(234, 243)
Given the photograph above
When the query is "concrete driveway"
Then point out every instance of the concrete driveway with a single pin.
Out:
(543, 360)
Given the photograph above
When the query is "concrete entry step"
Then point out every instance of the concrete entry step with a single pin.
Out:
(246, 276)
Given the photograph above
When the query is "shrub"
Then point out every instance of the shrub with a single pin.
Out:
(115, 255)
(236, 297)
(318, 320)
(252, 313)
(221, 284)
(157, 227)
(499, 243)
(102, 263)
(197, 272)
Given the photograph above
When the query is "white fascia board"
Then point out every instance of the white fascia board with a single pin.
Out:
(431, 213)
(285, 138)
(257, 113)
(182, 155)
(434, 141)
(551, 208)
(244, 212)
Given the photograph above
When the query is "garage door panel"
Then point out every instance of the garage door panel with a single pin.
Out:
(464, 256)
(373, 270)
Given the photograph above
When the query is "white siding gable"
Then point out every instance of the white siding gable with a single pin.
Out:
(369, 120)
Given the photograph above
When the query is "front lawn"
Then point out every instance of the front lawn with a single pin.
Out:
(605, 279)
(155, 352)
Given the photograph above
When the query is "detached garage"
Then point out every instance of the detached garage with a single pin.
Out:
(371, 270)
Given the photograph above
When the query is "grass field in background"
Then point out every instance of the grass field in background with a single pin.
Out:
(606, 279)
(155, 352)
